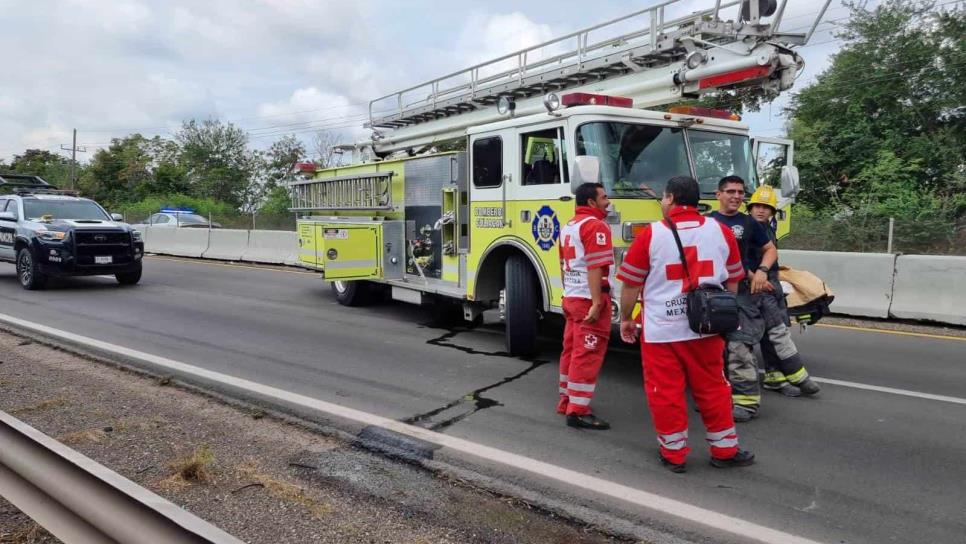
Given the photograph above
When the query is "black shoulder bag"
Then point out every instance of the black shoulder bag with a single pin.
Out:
(711, 309)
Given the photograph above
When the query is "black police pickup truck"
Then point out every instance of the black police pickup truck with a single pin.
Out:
(47, 233)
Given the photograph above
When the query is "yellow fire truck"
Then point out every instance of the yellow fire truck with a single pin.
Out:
(480, 226)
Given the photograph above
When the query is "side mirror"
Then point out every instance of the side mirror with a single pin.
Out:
(790, 186)
(117, 217)
(586, 170)
(7, 216)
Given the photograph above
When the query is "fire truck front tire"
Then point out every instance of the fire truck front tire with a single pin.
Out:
(521, 306)
(352, 293)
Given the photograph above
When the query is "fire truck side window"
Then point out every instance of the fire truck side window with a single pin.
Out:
(541, 157)
(488, 162)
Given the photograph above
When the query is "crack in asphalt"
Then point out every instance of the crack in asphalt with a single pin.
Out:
(476, 396)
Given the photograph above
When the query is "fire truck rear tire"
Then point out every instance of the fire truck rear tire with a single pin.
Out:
(521, 306)
(352, 293)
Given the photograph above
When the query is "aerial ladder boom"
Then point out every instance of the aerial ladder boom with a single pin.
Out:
(662, 62)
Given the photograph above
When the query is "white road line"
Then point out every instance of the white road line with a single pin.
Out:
(892, 390)
(652, 501)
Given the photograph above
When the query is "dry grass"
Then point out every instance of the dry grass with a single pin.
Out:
(285, 491)
(89, 436)
(29, 533)
(40, 406)
(194, 468)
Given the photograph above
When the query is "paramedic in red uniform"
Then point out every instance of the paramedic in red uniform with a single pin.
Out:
(674, 356)
(586, 255)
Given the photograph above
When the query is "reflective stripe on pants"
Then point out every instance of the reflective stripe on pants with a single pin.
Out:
(584, 348)
(671, 367)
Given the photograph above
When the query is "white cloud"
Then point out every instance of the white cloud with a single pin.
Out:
(110, 68)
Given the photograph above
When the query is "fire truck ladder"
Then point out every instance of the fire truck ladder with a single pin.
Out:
(354, 192)
(661, 62)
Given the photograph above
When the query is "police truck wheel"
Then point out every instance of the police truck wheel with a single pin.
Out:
(29, 274)
(520, 306)
(352, 293)
(131, 277)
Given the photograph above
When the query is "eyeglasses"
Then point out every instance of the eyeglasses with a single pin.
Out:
(738, 192)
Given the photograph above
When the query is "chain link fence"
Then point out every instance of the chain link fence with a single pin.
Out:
(922, 236)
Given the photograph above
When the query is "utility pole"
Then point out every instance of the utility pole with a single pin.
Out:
(73, 157)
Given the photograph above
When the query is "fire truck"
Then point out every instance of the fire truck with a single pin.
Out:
(480, 226)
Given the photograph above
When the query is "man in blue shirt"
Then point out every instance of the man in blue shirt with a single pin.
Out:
(758, 254)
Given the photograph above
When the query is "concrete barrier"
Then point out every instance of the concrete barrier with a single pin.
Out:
(226, 244)
(174, 241)
(272, 246)
(862, 282)
(865, 284)
(930, 287)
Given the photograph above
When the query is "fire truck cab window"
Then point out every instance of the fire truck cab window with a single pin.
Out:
(542, 158)
(488, 162)
(636, 160)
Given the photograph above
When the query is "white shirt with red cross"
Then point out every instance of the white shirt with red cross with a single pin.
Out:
(585, 244)
(654, 261)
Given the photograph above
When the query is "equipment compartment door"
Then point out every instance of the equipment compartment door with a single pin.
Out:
(349, 252)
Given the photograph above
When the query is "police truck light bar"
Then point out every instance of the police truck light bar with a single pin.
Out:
(588, 99)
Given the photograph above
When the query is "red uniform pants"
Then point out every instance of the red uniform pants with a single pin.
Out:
(699, 365)
(584, 347)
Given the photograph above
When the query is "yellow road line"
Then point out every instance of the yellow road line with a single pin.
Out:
(885, 331)
(229, 265)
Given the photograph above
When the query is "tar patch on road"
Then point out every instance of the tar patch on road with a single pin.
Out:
(457, 410)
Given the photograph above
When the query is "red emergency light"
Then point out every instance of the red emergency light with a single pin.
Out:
(754, 72)
(705, 112)
(588, 99)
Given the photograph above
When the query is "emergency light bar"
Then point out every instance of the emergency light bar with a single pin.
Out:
(588, 99)
(705, 112)
(177, 210)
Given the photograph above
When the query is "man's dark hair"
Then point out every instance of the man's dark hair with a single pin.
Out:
(684, 189)
(587, 192)
(730, 179)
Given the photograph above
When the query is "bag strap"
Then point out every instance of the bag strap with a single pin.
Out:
(684, 260)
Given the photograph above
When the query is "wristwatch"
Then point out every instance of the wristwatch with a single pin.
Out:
(764, 268)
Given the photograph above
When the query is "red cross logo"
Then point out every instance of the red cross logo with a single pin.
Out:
(567, 252)
(698, 269)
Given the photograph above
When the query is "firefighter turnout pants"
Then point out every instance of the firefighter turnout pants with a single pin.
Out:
(783, 364)
(584, 348)
(695, 364)
(742, 366)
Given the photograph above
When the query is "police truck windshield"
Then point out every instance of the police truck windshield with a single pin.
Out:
(36, 208)
(636, 160)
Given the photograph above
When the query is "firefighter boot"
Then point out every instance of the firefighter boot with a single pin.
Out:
(809, 387)
(742, 414)
(775, 381)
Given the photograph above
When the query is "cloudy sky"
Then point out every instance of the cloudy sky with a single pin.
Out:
(112, 67)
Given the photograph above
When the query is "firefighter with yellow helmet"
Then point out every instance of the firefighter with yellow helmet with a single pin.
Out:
(784, 371)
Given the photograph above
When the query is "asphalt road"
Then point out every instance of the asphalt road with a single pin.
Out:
(850, 466)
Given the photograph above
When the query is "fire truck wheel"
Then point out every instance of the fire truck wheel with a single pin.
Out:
(352, 293)
(520, 306)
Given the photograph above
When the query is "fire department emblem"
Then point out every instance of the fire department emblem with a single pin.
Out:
(546, 228)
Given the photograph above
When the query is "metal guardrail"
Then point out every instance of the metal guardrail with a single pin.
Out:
(81, 501)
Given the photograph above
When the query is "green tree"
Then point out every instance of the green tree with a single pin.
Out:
(279, 164)
(883, 130)
(216, 160)
(50, 166)
(133, 167)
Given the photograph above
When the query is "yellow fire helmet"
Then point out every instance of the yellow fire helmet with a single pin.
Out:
(765, 195)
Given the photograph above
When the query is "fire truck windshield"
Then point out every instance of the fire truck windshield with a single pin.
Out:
(637, 160)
